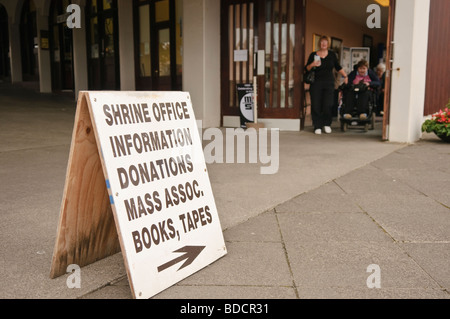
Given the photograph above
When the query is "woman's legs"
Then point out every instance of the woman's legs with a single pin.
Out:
(328, 95)
(350, 100)
(362, 104)
(321, 104)
(316, 105)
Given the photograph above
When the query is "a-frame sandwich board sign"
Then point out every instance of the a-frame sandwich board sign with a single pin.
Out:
(137, 181)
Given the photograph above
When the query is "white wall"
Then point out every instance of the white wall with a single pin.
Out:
(409, 68)
(201, 58)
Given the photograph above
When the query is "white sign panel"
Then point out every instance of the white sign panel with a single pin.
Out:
(159, 186)
(240, 55)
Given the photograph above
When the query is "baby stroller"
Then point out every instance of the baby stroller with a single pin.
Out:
(355, 121)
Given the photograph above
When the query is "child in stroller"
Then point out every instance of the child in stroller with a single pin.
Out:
(359, 95)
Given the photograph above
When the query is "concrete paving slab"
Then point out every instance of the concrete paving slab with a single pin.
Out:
(437, 191)
(32, 172)
(398, 203)
(338, 264)
(365, 293)
(422, 150)
(432, 257)
(29, 278)
(306, 162)
(401, 161)
(121, 290)
(36, 126)
(369, 180)
(228, 292)
(328, 188)
(408, 217)
(432, 183)
(246, 264)
(262, 228)
(313, 202)
(330, 227)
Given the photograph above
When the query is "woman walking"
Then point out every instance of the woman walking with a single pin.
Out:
(322, 90)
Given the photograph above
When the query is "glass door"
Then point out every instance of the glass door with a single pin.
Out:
(103, 45)
(29, 42)
(240, 22)
(108, 54)
(61, 46)
(276, 27)
(280, 44)
(159, 49)
(163, 67)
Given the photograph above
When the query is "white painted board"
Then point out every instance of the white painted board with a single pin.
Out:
(159, 186)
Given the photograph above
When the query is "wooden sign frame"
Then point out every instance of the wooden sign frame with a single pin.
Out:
(86, 229)
(89, 228)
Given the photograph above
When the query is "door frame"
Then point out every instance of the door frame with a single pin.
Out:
(388, 75)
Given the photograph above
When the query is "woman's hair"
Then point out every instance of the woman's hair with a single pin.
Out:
(324, 37)
(362, 63)
(382, 67)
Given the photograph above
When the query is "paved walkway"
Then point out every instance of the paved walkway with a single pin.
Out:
(338, 205)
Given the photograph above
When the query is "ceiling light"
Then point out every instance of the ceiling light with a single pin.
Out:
(383, 3)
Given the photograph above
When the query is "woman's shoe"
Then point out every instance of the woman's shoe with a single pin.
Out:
(347, 116)
(318, 131)
(327, 129)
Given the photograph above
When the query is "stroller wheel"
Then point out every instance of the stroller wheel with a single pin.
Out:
(372, 124)
(366, 127)
(344, 126)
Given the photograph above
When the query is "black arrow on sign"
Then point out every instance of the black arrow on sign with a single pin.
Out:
(190, 253)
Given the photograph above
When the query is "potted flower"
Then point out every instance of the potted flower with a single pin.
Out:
(439, 124)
